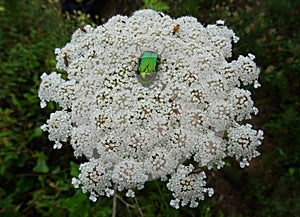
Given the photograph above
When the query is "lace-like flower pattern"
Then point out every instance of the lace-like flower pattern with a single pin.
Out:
(131, 129)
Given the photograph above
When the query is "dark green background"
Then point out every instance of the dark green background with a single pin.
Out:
(35, 179)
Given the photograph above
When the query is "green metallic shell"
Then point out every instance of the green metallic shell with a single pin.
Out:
(147, 69)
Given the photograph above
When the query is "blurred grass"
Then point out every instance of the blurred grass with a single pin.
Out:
(35, 180)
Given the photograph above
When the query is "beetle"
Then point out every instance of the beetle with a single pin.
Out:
(147, 68)
(175, 28)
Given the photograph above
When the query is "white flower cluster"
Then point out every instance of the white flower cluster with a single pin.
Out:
(131, 133)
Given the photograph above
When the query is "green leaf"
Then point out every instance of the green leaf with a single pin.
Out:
(78, 205)
(156, 5)
(291, 171)
(74, 169)
(36, 133)
(41, 164)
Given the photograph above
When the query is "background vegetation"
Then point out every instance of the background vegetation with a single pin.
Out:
(35, 180)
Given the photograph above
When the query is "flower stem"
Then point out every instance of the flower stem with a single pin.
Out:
(114, 209)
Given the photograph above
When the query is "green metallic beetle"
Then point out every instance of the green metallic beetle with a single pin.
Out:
(147, 68)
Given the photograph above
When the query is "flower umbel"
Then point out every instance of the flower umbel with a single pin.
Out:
(132, 129)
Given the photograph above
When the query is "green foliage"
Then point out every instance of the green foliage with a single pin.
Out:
(29, 178)
(156, 5)
(36, 181)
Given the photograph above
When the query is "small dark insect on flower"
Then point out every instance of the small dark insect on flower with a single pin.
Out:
(66, 61)
(82, 28)
(175, 28)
